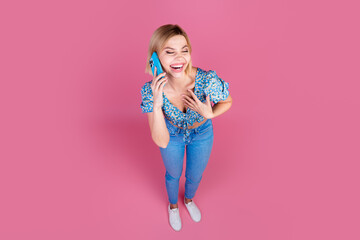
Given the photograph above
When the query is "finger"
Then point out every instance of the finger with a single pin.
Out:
(162, 84)
(192, 108)
(189, 103)
(193, 95)
(188, 106)
(159, 82)
(189, 99)
(208, 99)
(157, 78)
(160, 75)
(157, 85)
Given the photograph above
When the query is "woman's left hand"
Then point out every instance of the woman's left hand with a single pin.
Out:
(204, 109)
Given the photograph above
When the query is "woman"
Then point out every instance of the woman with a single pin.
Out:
(180, 114)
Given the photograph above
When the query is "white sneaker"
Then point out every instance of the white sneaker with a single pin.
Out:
(193, 210)
(174, 218)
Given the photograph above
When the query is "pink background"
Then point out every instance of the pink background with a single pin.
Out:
(77, 158)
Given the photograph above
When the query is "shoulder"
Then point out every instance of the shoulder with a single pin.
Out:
(206, 73)
(206, 77)
(215, 86)
(146, 85)
(200, 74)
(210, 74)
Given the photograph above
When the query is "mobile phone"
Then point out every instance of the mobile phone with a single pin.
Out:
(155, 62)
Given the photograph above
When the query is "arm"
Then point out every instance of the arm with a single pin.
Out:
(159, 131)
(222, 106)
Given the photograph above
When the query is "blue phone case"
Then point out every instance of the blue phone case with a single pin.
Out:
(155, 62)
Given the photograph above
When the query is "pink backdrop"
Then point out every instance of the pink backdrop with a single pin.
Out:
(77, 158)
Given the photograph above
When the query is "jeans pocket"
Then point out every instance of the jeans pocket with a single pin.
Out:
(204, 128)
(173, 131)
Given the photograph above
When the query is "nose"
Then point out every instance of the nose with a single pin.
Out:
(179, 58)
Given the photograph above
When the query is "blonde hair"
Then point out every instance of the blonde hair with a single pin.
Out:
(160, 37)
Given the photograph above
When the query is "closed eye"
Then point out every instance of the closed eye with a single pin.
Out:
(173, 52)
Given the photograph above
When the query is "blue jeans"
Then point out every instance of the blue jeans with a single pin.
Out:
(198, 149)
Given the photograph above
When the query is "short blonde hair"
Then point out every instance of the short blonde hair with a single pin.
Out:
(160, 37)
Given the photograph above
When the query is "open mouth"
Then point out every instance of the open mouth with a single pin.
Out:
(177, 67)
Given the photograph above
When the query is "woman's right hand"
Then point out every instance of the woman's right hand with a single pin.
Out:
(157, 89)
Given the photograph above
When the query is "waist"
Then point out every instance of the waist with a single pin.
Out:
(195, 125)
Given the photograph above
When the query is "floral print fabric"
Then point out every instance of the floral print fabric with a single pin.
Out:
(206, 83)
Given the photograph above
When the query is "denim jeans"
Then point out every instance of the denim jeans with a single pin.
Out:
(198, 149)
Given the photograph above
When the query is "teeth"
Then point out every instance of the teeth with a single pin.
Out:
(179, 66)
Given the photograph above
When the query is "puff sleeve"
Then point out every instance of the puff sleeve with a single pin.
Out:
(146, 98)
(215, 87)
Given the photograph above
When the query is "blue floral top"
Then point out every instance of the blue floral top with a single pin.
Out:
(206, 83)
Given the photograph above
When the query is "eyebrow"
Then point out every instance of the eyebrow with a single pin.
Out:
(174, 48)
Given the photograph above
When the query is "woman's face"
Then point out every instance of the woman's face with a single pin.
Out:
(175, 54)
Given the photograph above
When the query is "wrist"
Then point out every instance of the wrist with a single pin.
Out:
(157, 108)
(210, 116)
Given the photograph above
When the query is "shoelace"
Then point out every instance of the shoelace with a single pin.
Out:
(173, 212)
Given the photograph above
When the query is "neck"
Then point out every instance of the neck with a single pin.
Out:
(180, 84)
(177, 84)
